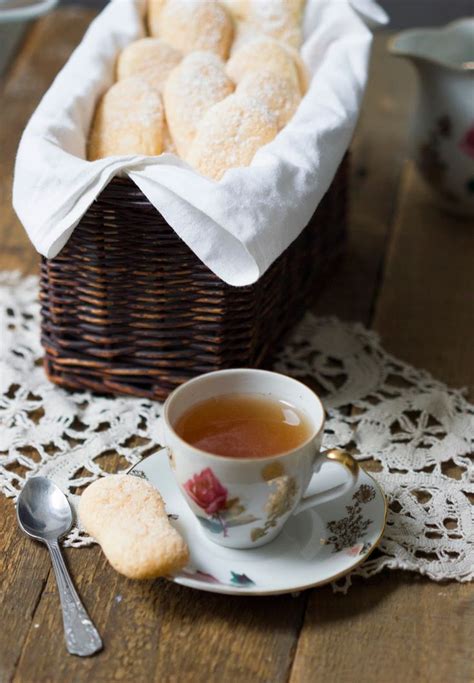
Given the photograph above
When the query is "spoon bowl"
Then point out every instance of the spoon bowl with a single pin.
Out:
(43, 510)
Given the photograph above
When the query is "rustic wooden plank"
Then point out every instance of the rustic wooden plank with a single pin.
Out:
(378, 152)
(46, 48)
(24, 565)
(164, 632)
(23, 571)
(390, 629)
(425, 311)
(10, 39)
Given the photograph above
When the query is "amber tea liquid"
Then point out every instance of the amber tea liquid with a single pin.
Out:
(244, 426)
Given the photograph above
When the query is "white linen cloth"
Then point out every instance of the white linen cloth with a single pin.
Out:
(237, 226)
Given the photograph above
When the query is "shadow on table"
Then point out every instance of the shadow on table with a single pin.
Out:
(275, 612)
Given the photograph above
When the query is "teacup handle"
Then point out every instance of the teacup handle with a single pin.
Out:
(349, 464)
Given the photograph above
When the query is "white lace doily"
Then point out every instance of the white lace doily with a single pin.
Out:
(419, 433)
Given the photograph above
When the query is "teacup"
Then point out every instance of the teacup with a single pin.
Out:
(242, 502)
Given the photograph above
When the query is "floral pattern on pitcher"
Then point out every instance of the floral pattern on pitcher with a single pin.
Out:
(430, 160)
(223, 512)
(467, 143)
(467, 146)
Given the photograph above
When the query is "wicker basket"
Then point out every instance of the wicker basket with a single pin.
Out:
(128, 308)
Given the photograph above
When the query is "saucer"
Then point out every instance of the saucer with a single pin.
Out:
(315, 547)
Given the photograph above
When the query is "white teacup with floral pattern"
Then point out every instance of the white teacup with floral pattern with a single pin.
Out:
(242, 502)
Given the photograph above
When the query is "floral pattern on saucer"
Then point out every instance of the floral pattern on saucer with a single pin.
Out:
(235, 578)
(347, 533)
(359, 549)
(241, 580)
(138, 473)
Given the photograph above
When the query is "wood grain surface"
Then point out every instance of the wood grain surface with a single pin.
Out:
(407, 273)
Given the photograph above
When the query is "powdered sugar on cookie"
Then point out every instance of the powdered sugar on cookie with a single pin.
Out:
(265, 53)
(127, 516)
(149, 58)
(198, 83)
(277, 18)
(229, 135)
(128, 120)
(280, 95)
(189, 25)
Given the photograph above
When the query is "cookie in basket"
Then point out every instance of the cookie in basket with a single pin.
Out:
(279, 19)
(188, 25)
(279, 94)
(128, 120)
(269, 54)
(229, 135)
(150, 58)
(127, 516)
(153, 10)
(168, 143)
(243, 33)
(199, 82)
(236, 8)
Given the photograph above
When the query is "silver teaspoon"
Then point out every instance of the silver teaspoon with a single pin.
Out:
(44, 513)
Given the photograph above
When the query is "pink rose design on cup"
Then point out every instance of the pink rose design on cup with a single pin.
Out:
(467, 144)
(206, 491)
(223, 511)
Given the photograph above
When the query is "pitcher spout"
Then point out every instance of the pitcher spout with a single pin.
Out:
(451, 47)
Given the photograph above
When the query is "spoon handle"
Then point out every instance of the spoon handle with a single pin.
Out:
(80, 633)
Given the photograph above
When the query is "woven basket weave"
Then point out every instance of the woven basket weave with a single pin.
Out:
(128, 308)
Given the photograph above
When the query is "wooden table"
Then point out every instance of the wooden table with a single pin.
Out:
(408, 274)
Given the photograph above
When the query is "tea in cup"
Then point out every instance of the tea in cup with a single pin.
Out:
(244, 445)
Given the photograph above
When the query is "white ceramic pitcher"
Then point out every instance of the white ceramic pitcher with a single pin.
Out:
(443, 131)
